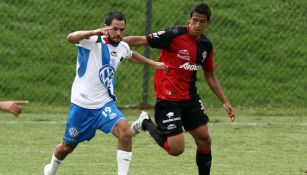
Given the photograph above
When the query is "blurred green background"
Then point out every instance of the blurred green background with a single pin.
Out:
(259, 49)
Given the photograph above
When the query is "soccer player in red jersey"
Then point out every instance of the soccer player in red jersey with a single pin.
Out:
(184, 49)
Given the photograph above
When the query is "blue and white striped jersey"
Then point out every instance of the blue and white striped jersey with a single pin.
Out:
(97, 62)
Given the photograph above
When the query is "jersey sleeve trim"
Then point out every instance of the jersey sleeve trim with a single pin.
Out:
(208, 64)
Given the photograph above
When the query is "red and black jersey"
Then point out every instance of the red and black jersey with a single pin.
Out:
(184, 56)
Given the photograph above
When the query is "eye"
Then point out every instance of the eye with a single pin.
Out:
(202, 21)
(194, 20)
(199, 20)
(120, 29)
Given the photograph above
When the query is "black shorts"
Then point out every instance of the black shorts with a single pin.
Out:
(171, 116)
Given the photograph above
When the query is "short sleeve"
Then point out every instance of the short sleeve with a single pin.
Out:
(127, 51)
(88, 43)
(163, 39)
(208, 64)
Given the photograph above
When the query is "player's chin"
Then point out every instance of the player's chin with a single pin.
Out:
(198, 32)
(118, 39)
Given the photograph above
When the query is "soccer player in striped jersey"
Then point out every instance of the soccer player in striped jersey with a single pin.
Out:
(93, 107)
(184, 49)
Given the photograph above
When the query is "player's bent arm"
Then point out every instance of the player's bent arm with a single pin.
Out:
(136, 40)
(77, 36)
(140, 59)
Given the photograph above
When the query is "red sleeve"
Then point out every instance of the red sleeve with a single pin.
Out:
(208, 64)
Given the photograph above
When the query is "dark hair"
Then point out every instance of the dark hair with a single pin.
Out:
(201, 8)
(114, 15)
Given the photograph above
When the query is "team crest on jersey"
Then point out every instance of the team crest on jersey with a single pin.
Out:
(106, 75)
(170, 114)
(204, 54)
(73, 132)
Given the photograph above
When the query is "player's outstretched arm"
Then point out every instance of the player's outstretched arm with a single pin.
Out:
(216, 88)
(140, 59)
(136, 40)
(77, 36)
(13, 107)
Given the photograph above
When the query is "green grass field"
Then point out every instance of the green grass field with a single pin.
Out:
(259, 142)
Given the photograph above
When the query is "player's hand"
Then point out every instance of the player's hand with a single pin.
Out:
(230, 111)
(160, 65)
(102, 31)
(14, 107)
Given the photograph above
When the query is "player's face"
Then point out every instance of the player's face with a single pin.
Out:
(117, 30)
(197, 24)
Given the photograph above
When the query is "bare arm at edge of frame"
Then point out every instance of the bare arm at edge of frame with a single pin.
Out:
(13, 107)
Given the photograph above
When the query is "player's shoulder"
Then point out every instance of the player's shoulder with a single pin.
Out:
(92, 39)
(124, 45)
(205, 40)
(176, 30)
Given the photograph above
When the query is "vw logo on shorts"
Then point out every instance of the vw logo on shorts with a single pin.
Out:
(106, 75)
(73, 132)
